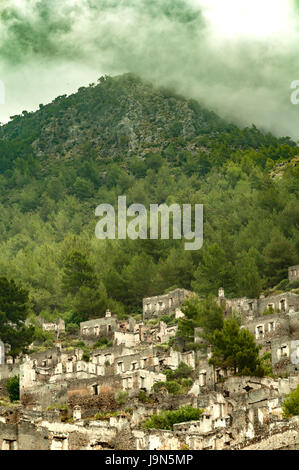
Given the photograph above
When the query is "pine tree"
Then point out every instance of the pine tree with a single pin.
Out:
(235, 348)
(14, 308)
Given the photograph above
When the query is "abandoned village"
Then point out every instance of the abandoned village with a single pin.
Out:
(62, 392)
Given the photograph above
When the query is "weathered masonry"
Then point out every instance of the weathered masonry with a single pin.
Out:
(294, 273)
(70, 400)
(164, 304)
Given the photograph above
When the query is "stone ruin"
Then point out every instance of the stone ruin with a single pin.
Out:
(62, 393)
(294, 273)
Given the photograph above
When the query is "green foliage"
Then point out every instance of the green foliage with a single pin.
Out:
(248, 281)
(102, 343)
(187, 382)
(158, 385)
(168, 319)
(164, 346)
(44, 337)
(265, 366)
(85, 348)
(177, 380)
(14, 309)
(284, 285)
(102, 416)
(213, 272)
(290, 405)
(143, 397)
(78, 273)
(205, 314)
(173, 387)
(72, 328)
(47, 204)
(58, 406)
(269, 311)
(279, 254)
(121, 397)
(13, 388)
(86, 357)
(167, 419)
(294, 284)
(183, 371)
(235, 348)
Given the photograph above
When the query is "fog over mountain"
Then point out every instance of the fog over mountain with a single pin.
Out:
(238, 57)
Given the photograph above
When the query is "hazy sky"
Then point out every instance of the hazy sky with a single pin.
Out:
(238, 57)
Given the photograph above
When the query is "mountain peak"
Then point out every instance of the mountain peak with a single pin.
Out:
(118, 115)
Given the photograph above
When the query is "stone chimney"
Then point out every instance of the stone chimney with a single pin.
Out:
(77, 413)
(221, 293)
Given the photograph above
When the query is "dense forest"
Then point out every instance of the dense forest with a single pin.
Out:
(124, 137)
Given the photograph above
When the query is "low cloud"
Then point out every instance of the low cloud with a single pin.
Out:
(236, 57)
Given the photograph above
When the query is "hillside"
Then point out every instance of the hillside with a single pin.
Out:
(125, 137)
(119, 116)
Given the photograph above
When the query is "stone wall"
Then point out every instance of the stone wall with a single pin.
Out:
(294, 273)
(7, 371)
(167, 304)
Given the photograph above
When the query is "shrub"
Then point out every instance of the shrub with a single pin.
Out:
(168, 319)
(121, 397)
(49, 343)
(72, 328)
(102, 343)
(58, 406)
(283, 285)
(195, 346)
(265, 366)
(290, 406)
(13, 388)
(164, 346)
(153, 321)
(173, 387)
(167, 419)
(42, 336)
(158, 385)
(269, 311)
(101, 416)
(86, 357)
(294, 284)
(169, 374)
(143, 397)
(183, 371)
(187, 382)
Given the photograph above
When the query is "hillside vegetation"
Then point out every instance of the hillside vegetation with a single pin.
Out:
(124, 137)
